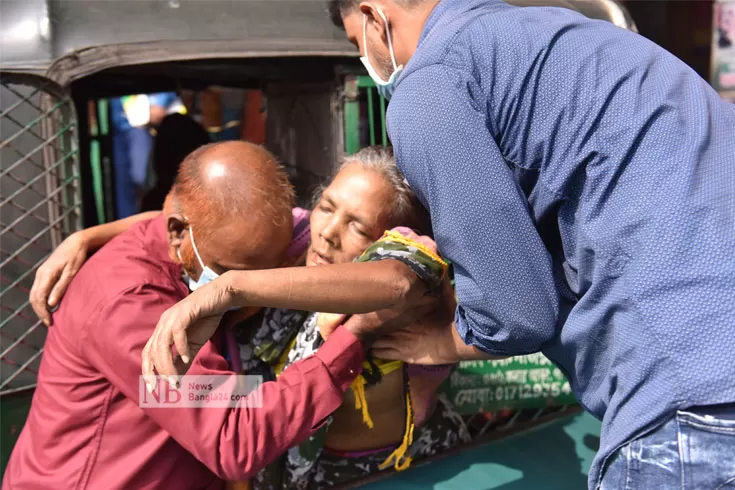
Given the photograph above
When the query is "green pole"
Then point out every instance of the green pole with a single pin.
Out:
(96, 164)
(352, 117)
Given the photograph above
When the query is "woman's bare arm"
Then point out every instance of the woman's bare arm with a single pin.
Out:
(55, 274)
(343, 288)
(97, 236)
(387, 285)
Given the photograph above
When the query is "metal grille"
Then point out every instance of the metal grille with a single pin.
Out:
(364, 114)
(39, 206)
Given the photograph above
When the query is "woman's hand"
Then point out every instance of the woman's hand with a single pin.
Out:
(187, 325)
(55, 275)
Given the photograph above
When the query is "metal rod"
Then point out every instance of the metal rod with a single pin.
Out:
(23, 127)
(23, 99)
(18, 281)
(21, 209)
(37, 236)
(50, 154)
(20, 369)
(371, 116)
(30, 211)
(19, 181)
(19, 340)
(27, 156)
(382, 121)
(18, 390)
(16, 312)
(5, 143)
(26, 237)
(34, 180)
(23, 154)
(512, 420)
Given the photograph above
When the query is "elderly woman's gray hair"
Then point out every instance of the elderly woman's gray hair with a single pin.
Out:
(407, 210)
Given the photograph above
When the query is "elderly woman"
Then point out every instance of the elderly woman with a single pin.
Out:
(392, 414)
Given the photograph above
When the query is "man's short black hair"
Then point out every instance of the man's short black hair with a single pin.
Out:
(338, 7)
(335, 9)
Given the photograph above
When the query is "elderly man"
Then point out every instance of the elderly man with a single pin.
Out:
(230, 208)
(580, 178)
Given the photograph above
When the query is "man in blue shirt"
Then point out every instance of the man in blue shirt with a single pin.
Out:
(582, 181)
(132, 142)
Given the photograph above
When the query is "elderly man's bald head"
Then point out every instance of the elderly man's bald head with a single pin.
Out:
(221, 180)
(237, 200)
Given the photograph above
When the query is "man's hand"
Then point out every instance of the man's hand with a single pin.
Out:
(371, 326)
(431, 339)
(55, 275)
(187, 325)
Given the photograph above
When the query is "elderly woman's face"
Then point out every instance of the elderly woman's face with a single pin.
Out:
(352, 213)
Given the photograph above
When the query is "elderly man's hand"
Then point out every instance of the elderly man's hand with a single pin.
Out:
(55, 275)
(187, 325)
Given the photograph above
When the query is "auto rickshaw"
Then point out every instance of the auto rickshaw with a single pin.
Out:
(62, 60)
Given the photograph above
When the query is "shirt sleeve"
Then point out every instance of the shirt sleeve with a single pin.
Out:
(234, 443)
(507, 300)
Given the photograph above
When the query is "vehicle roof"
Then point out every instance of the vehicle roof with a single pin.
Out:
(68, 39)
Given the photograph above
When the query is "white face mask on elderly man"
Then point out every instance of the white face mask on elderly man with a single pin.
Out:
(207, 275)
(385, 88)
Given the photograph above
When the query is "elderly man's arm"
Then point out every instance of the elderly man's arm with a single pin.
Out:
(508, 300)
(234, 443)
(55, 274)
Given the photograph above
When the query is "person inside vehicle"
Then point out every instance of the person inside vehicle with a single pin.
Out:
(177, 136)
(87, 427)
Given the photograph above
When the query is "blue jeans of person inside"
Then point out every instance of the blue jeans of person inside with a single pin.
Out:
(131, 151)
(695, 449)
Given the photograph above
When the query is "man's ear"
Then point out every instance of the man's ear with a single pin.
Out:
(374, 19)
(176, 226)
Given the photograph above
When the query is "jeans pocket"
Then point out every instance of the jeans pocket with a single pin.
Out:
(707, 449)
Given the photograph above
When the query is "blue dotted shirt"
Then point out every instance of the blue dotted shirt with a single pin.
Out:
(582, 181)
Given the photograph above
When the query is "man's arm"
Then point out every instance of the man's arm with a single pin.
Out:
(97, 236)
(232, 442)
(55, 274)
(508, 302)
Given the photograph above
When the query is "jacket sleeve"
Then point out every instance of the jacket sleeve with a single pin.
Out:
(234, 442)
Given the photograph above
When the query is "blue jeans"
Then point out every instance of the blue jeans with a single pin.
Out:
(695, 449)
(131, 151)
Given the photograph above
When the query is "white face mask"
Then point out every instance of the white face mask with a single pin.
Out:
(207, 275)
(385, 88)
